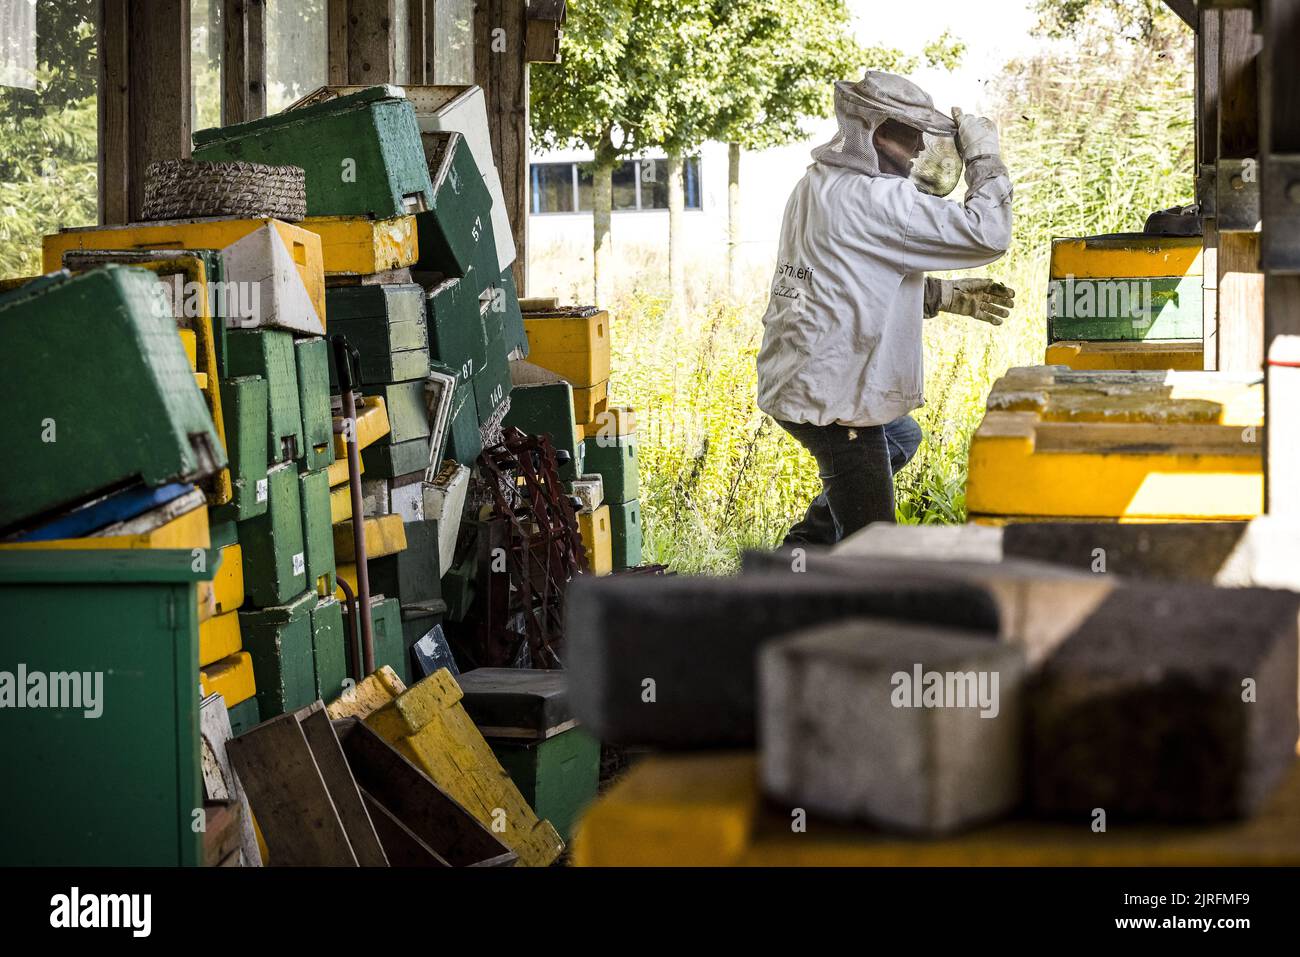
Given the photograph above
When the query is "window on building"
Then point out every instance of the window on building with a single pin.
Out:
(552, 187)
(637, 184)
(295, 51)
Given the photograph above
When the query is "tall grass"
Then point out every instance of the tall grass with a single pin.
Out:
(1094, 144)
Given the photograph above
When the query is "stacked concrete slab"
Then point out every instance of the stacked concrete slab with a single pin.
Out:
(920, 695)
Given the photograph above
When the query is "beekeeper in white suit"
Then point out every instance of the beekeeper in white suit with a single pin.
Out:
(840, 366)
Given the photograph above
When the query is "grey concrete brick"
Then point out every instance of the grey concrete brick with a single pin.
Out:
(846, 730)
(695, 639)
(1141, 711)
(1038, 604)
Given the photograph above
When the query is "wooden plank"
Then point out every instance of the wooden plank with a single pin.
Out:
(214, 726)
(295, 812)
(234, 62)
(416, 58)
(400, 842)
(256, 73)
(1240, 345)
(1207, 110)
(372, 47)
(336, 25)
(114, 112)
(159, 117)
(438, 819)
(342, 786)
(1210, 294)
(221, 831)
(501, 69)
(1280, 136)
(1185, 10)
(1239, 89)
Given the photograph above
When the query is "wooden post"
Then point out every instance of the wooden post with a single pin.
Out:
(501, 69)
(449, 42)
(361, 44)
(243, 61)
(114, 155)
(144, 102)
(1240, 345)
(1280, 211)
(1207, 153)
(415, 31)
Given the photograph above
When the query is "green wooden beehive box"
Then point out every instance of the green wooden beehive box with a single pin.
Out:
(385, 460)
(455, 323)
(464, 441)
(118, 789)
(312, 368)
(1128, 309)
(411, 575)
(408, 414)
(455, 234)
(545, 409)
(317, 533)
(525, 716)
(329, 648)
(243, 406)
(279, 640)
(492, 382)
(625, 534)
(244, 715)
(101, 393)
(614, 457)
(275, 561)
(361, 153)
(386, 325)
(269, 353)
(386, 624)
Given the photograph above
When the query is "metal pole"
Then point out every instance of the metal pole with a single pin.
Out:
(343, 359)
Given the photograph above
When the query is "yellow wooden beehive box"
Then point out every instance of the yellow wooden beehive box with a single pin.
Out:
(1118, 446)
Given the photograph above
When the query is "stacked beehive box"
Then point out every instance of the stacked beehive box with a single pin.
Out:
(1126, 301)
(563, 391)
(261, 315)
(1118, 446)
(366, 179)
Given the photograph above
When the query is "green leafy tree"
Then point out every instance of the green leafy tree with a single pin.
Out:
(48, 138)
(587, 101)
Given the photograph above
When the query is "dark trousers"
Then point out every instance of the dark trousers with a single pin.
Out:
(857, 466)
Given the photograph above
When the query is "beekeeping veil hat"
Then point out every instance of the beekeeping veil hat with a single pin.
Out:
(862, 107)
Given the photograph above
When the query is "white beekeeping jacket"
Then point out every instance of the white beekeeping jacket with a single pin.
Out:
(842, 335)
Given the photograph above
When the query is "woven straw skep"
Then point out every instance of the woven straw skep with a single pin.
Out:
(184, 189)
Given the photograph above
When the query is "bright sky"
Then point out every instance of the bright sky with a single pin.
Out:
(994, 31)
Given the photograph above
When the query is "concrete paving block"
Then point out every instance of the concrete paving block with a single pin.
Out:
(970, 543)
(916, 729)
(1038, 605)
(1171, 702)
(1263, 552)
(670, 661)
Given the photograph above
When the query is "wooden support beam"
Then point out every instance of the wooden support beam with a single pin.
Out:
(1207, 154)
(114, 155)
(243, 61)
(449, 42)
(372, 46)
(501, 69)
(415, 31)
(361, 44)
(1279, 94)
(144, 102)
(1240, 340)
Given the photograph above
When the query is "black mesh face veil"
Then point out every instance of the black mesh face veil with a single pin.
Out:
(862, 107)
